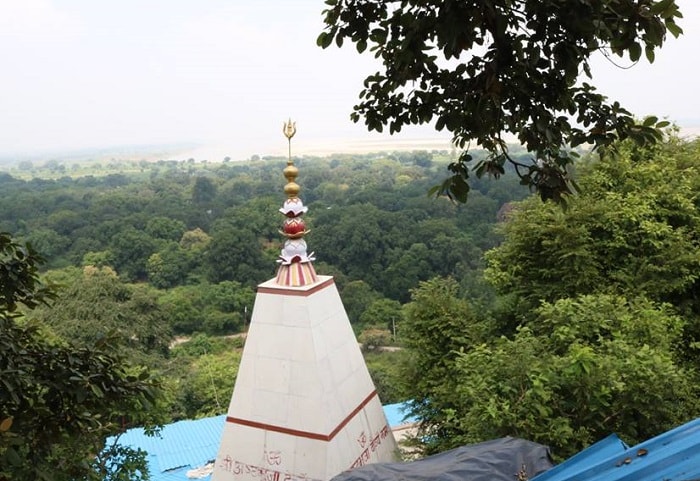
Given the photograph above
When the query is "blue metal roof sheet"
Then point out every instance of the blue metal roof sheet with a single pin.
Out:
(396, 414)
(179, 447)
(671, 456)
(186, 445)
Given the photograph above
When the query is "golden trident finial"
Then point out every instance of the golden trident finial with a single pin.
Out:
(289, 129)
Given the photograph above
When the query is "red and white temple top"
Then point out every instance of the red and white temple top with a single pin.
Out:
(296, 268)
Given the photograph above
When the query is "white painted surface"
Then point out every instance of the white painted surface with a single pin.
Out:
(303, 405)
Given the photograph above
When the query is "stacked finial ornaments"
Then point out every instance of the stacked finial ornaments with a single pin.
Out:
(295, 268)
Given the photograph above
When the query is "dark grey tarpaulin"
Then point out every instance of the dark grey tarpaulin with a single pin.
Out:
(502, 459)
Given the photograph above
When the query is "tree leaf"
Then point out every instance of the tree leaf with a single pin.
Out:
(5, 425)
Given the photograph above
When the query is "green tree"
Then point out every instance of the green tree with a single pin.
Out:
(169, 266)
(205, 370)
(194, 239)
(130, 250)
(206, 388)
(438, 325)
(583, 368)
(182, 310)
(357, 296)
(203, 190)
(96, 303)
(598, 320)
(58, 401)
(19, 276)
(49, 242)
(212, 308)
(358, 239)
(97, 259)
(65, 222)
(385, 368)
(406, 269)
(235, 254)
(634, 229)
(165, 228)
(373, 338)
(475, 66)
(383, 313)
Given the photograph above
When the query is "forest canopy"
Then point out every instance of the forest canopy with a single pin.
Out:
(506, 316)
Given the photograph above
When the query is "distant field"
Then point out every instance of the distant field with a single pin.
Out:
(75, 162)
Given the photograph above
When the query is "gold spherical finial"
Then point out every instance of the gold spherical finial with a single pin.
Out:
(290, 172)
(292, 189)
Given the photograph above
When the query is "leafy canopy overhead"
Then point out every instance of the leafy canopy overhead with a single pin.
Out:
(482, 68)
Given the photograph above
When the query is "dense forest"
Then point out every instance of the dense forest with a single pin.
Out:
(165, 251)
(514, 316)
(198, 237)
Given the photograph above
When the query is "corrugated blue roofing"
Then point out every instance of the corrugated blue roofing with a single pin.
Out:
(396, 414)
(179, 447)
(186, 445)
(671, 456)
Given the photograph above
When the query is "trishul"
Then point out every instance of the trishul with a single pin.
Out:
(289, 129)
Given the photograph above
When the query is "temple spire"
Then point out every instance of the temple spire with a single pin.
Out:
(296, 268)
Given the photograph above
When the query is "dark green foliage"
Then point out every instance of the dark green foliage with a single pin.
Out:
(357, 240)
(236, 254)
(49, 242)
(203, 191)
(121, 463)
(383, 313)
(385, 369)
(357, 296)
(597, 322)
(635, 229)
(170, 266)
(148, 229)
(59, 401)
(613, 346)
(211, 308)
(438, 326)
(63, 401)
(206, 369)
(19, 283)
(475, 66)
(584, 368)
(95, 303)
(369, 218)
(130, 250)
(165, 228)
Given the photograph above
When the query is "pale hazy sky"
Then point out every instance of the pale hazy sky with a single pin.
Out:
(100, 73)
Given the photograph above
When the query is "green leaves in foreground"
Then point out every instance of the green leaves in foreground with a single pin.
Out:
(58, 402)
(584, 368)
(482, 69)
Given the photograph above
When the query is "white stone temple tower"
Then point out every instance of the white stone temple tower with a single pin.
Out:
(304, 406)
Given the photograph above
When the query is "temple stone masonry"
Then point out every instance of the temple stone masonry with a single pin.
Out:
(303, 406)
